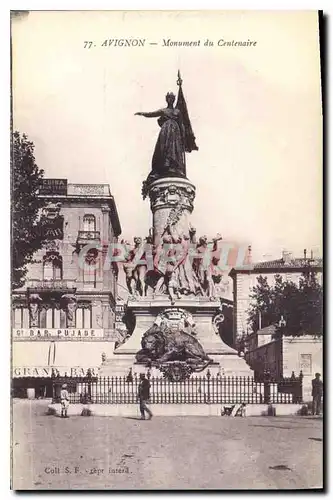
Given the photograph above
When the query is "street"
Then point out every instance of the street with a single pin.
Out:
(164, 453)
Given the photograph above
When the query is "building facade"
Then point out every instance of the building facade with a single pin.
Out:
(63, 318)
(281, 355)
(244, 280)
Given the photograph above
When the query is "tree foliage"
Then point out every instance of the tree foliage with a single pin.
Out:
(26, 206)
(301, 306)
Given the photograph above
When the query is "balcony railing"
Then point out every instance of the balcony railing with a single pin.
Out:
(88, 190)
(85, 237)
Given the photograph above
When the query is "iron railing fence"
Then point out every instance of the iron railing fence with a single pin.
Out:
(195, 390)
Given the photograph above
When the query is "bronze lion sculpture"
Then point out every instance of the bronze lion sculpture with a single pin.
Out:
(160, 344)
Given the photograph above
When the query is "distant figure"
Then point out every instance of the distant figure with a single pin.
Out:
(64, 396)
(143, 396)
(317, 393)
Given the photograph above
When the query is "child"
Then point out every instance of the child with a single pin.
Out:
(64, 396)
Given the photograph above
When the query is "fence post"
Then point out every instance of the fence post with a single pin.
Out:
(53, 386)
(208, 386)
(300, 394)
(266, 386)
(89, 375)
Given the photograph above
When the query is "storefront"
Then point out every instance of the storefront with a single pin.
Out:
(37, 362)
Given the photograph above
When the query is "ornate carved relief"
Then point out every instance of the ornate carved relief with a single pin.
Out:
(34, 305)
(52, 210)
(69, 304)
(217, 320)
(172, 195)
(176, 319)
(52, 246)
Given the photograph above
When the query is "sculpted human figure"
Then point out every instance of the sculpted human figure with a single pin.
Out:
(173, 286)
(203, 268)
(168, 267)
(128, 267)
(34, 309)
(175, 137)
(186, 273)
(68, 303)
(169, 155)
(139, 269)
(71, 308)
(135, 272)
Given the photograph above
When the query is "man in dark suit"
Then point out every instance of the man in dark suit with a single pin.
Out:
(317, 393)
(143, 395)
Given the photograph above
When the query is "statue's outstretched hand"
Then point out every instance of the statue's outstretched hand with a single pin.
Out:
(138, 113)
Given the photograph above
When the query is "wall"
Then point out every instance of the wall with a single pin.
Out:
(293, 355)
(73, 214)
(103, 294)
(266, 357)
(303, 353)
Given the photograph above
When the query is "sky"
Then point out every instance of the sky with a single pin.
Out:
(255, 112)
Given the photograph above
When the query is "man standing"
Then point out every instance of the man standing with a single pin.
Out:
(143, 396)
(317, 393)
(64, 396)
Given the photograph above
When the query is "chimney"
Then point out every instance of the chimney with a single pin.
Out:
(249, 254)
(304, 253)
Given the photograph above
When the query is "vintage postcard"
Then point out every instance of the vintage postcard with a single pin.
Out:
(167, 272)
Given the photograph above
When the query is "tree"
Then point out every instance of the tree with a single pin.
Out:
(261, 304)
(26, 207)
(311, 308)
(301, 306)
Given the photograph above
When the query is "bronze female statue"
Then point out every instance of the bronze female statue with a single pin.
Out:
(169, 155)
(175, 137)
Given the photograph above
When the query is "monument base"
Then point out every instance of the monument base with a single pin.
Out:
(225, 359)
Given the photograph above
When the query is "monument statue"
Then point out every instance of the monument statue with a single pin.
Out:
(135, 272)
(175, 138)
(161, 345)
(176, 268)
(170, 345)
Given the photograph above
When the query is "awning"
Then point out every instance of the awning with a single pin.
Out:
(37, 359)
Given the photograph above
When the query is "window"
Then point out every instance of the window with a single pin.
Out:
(305, 363)
(83, 316)
(52, 267)
(89, 223)
(89, 268)
(21, 317)
(52, 317)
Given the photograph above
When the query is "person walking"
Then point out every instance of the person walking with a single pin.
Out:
(64, 397)
(143, 396)
(317, 393)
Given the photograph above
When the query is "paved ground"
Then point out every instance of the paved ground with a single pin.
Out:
(165, 453)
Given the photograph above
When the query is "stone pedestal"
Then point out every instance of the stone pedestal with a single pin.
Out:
(171, 202)
(171, 199)
(225, 359)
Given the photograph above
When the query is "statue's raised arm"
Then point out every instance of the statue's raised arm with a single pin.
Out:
(150, 114)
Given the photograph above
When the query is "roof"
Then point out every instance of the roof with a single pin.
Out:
(297, 264)
(267, 330)
(69, 191)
